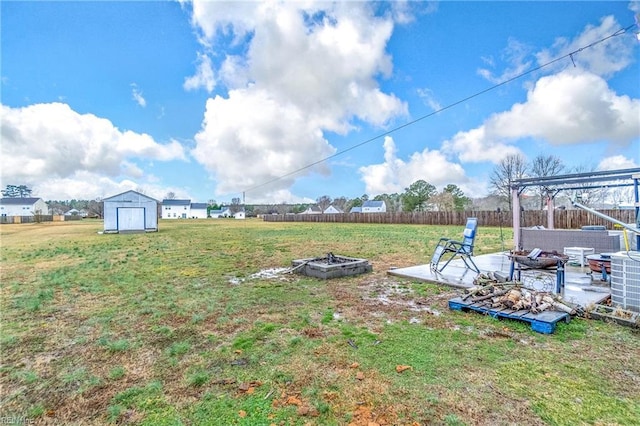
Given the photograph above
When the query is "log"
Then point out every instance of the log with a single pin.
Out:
(491, 295)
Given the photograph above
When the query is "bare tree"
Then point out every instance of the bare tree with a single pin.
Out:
(96, 208)
(510, 169)
(340, 203)
(235, 206)
(545, 166)
(170, 196)
(323, 202)
(590, 197)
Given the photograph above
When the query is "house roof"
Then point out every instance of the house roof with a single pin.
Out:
(356, 209)
(333, 208)
(176, 202)
(372, 203)
(199, 206)
(18, 201)
(129, 192)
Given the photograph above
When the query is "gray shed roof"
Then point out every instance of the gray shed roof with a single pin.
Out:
(200, 206)
(18, 201)
(127, 192)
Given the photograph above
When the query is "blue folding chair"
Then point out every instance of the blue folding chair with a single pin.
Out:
(450, 249)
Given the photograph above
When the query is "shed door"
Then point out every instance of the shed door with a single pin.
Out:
(130, 218)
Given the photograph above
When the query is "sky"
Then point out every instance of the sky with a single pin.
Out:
(287, 101)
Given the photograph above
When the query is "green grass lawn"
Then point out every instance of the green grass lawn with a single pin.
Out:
(171, 328)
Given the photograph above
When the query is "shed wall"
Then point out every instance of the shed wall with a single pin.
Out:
(130, 200)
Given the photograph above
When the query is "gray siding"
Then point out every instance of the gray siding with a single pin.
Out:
(130, 199)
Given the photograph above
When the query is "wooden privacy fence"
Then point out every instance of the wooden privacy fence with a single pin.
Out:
(37, 218)
(563, 219)
(27, 219)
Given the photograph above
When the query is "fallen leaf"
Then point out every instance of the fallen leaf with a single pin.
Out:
(401, 368)
(238, 351)
(303, 410)
(354, 365)
(360, 375)
(292, 400)
(251, 390)
(242, 414)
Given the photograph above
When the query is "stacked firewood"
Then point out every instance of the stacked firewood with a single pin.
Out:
(500, 294)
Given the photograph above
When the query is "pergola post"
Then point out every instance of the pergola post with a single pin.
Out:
(636, 199)
(515, 211)
(550, 211)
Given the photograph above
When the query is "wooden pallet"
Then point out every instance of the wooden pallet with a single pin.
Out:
(544, 322)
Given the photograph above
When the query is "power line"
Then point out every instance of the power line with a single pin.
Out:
(456, 103)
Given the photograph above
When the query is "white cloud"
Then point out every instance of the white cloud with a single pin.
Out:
(516, 54)
(136, 95)
(571, 107)
(617, 162)
(395, 174)
(602, 59)
(88, 185)
(429, 99)
(204, 76)
(43, 143)
(307, 68)
(249, 138)
(476, 146)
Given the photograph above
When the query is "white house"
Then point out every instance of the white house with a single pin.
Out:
(198, 211)
(226, 212)
(356, 209)
(17, 206)
(130, 211)
(332, 210)
(176, 209)
(76, 212)
(371, 206)
(312, 210)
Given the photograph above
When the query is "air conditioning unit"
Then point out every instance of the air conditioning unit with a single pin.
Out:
(625, 280)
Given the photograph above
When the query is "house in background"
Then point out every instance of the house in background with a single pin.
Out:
(28, 206)
(176, 209)
(198, 211)
(371, 206)
(130, 211)
(225, 211)
(356, 209)
(312, 210)
(76, 212)
(332, 210)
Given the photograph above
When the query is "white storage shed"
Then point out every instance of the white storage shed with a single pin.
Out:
(130, 211)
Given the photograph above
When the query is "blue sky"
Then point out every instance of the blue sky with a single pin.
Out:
(211, 100)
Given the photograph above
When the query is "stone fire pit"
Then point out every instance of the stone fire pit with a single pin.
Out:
(331, 266)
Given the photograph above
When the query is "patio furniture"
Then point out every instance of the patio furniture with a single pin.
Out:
(449, 249)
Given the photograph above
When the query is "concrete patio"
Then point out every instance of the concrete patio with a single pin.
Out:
(580, 287)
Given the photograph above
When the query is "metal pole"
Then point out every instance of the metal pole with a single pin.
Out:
(605, 217)
(637, 200)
